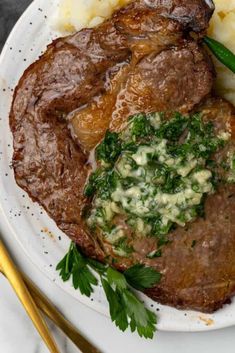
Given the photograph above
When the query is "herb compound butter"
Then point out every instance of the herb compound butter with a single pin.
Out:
(151, 177)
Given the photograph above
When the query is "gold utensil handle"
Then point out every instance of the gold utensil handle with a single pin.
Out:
(52, 313)
(48, 309)
(25, 297)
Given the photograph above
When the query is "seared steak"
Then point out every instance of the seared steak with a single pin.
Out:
(142, 59)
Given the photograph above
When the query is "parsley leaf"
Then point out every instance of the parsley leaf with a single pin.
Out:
(117, 278)
(141, 318)
(74, 265)
(126, 310)
(141, 277)
(97, 266)
(124, 306)
(117, 311)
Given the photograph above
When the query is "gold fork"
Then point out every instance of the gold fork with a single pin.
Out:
(42, 303)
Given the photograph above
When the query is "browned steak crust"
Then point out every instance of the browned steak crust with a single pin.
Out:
(127, 60)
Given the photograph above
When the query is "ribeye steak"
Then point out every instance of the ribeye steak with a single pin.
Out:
(144, 59)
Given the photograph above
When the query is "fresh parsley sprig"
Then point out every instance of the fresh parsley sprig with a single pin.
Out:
(126, 310)
(75, 265)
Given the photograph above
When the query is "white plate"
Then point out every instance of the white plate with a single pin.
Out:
(41, 240)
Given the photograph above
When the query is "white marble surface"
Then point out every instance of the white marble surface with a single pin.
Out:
(17, 334)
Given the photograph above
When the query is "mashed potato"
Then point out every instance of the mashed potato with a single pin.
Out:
(74, 15)
(222, 28)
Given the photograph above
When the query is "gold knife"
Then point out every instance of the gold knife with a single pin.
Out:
(7, 266)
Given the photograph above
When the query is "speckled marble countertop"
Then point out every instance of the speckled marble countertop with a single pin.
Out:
(17, 333)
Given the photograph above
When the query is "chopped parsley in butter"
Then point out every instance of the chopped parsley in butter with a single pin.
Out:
(153, 176)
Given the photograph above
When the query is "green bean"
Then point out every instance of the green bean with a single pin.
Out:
(222, 53)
